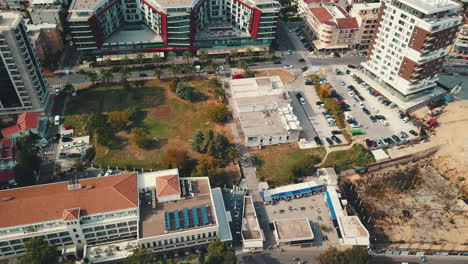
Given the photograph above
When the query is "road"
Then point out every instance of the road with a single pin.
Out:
(309, 255)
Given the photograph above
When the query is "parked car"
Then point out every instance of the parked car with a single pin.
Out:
(380, 117)
(142, 74)
(301, 60)
(336, 132)
(44, 142)
(384, 122)
(304, 68)
(308, 82)
(355, 125)
(288, 66)
(367, 112)
(277, 62)
(373, 119)
(361, 98)
(330, 142)
(396, 138)
(318, 141)
(63, 155)
(67, 127)
(351, 93)
(300, 98)
(109, 172)
(380, 143)
(68, 146)
(57, 120)
(403, 134)
(100, 174)
(361, 105)
(74, 155)
(351, 66)
(56, 137)
(368, 143)
(414, 133)
(336, 139)
(67, 139)
(79, 143)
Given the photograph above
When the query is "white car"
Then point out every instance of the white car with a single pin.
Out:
(289, 52)
(288, 66)
(351, 93)
(384, 122)
(57, 120)
(375, 109)
(361, 104)
(405, 119)
(68, 146)
(109, 172)
(343, 83)
(355, 125)
(302, 100)
(79, 143)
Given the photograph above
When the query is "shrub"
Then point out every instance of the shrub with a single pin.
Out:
(132, 112)
(185, 92)
(173, 85)
(118, 120)
(174, 158)
(139, 137)
(218, 112)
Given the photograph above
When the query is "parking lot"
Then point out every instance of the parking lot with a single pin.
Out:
(313, 207)
(372, 130)
(70, 148)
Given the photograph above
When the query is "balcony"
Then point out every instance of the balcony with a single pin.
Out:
(428, 44)
(415, 75)
(418, 68)
(430, 37)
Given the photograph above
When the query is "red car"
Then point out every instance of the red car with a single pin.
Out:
(376, 94)
(67, 127)
(341, 102)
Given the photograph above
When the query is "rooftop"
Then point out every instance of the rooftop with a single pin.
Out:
(431, 6)
(290, 189)
(254, 87)
(26, 121)
(352, 227)
(9, 19)
(47, 202)
(152, 220)
(133, 34)
(220, 30)
(322, 14)
(347, 23)
(250, 226)
(293, 229)
(167, 185)
(366, 6)
(224, 232)
(269, 122)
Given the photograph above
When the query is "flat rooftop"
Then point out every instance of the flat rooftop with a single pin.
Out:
(267, 123)
(293, 229)
(139, 33)
(9, 19)
(366, 6)
(255, 87)
(220, 30)
(431, 6)
(352, 227)
(250, 226)
(152, 222)
(85, 4)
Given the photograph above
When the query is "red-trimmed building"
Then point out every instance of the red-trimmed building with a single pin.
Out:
(26, 123)
(116, 28)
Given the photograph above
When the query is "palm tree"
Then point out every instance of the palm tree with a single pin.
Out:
(125, 61)
(219, 94)
(233, 153)
(215, 82)
(140, 58)
(266, 50)
(124, 74)
(156, 58)
(171, 56)
(189, 69)
(233, 54)
(175, 69)
(187, 56)
(108, 62)
(214, 67)
(106, 76)
(157, 73)
(243, 65)
(249, 53)
(92, 76)
(203, 56)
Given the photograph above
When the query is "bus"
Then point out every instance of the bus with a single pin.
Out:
(356, 132)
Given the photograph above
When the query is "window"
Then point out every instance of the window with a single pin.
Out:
(74, 230)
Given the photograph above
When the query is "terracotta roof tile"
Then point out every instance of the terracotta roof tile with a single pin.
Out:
(321, 13)
(28, 121)
(167, 185)
(71, 214)
(47, 202)
(8, 131)
(6, 142)
(347, 23)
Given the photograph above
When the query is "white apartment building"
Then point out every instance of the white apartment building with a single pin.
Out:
(367, 15)
(23, 86)
(410, 46)
(105, 216)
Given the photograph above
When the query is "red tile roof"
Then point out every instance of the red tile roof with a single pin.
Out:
(5, 176)
(71, 214)
(347, 23)
(28, 121)
(11, 130)
(167, 185)
(342, 11)
(321, 13)
(320, 1)
(47, 202)
(6, 142)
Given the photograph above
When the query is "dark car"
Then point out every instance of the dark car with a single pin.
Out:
(380, 117)
(414, 133)
(352, 87)
(67, 139)
(304, 68)
(301, 60)
(351, 66)
(277, 62)
(308, 82)
(326, 113)
(252, 64)
(63, 155)
(348, 71)
(318, 141)
(336, 132)
(336, 139)
(361, 98)
(373, 119)
(329, 141)
(390, 141)
(309, 49)
(374, 143)
(366, 111)
(142, 74)
(396, 138)
(368, 143)
(56, 137)
(74, 155)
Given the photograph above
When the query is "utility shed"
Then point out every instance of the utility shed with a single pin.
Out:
(380, 155)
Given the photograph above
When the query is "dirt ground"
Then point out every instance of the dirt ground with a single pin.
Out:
(452, 137)
(162, 112)
(414, 204)
(285, 76)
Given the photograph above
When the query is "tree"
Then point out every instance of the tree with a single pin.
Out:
(173, 84)
(189, 69)
(215, 82)
(108, 62)
(219, 94)
(125, 61)
(218, 112)
(140, 256)
(106, 76)
(68, 88)
(219, 146)
(140, 83)
(206, 167)
(171, 56)
(185, 92)
(156, 58)
(325, 90)
(39, 252)
(118, 119)
(265, 50)
(207, 140)
(233, 53)
(28, 161)
(232, 153)
(197, 142)
(124, 72)
(243, 65)
(249, 53)
(139, 137)
(187, 56)
(157, 73)
(140, 58)
(214, 67)
(219, 252)
(132, 112)
(92, 76)
(79, 165)
(175, 158)
(354, 255)
(175, 70)
(203, 56)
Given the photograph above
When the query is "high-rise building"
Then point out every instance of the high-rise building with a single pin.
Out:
(22, 84)
(460, 47)
(410, 46)
(104, 27)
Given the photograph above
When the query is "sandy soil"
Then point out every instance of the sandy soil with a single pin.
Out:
(285, 76)
(452, 137)
(161, 113)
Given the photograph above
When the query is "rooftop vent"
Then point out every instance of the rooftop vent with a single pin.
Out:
(74, 185)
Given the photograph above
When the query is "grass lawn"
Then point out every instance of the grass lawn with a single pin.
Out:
(168, 119)
(279, 161)
(342, 160)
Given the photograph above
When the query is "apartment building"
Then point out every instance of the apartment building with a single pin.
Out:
(460, 47)
(47, 40)
(410, 45)
(23, 87)
(157, 210)
(113, 27)
(367, 15)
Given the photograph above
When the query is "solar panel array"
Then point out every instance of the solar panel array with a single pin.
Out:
(187, 218)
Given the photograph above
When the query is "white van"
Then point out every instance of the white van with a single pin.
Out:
(57, 120)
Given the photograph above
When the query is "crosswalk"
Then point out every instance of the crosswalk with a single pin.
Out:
(49, 152)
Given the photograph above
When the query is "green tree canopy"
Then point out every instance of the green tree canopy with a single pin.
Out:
(140, 256)
(218, 112)
(354, 255)
(183, 91)
(39, 252)
(197, 142)
(220, 253)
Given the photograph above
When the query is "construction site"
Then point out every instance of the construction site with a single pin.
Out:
(410, 204)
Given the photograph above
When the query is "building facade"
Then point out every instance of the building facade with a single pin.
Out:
(47, 40)
(460, 47)
(23, 86)
(367, 15)
(101, 28)
(410, 45)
